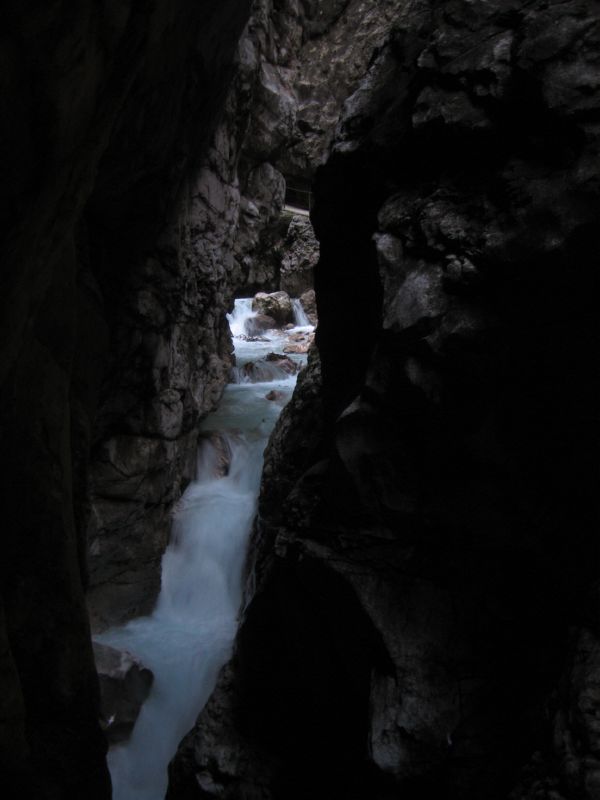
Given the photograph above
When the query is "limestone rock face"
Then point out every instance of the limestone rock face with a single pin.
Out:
(299, 61)
(422, 608)
(124, 685)
(104, 106)
(339, 40)
(170, 344)
(300, 257)
(309, 303)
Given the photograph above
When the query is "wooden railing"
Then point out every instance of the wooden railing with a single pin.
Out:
(296, 198)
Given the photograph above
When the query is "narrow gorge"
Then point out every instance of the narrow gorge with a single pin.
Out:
(188, 636)
(359, 238)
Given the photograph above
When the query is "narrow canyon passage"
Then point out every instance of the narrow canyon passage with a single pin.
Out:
(188, 637)
(404, 198)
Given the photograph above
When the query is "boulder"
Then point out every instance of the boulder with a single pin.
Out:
(273, 367)
(301, 336)
(214, 454)
(299, 343)
(259, 324)
(299, 348)
(124, 686)
(283, 363)
(275, 396)
(277, 305)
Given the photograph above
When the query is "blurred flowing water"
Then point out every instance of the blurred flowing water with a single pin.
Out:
(189, 636)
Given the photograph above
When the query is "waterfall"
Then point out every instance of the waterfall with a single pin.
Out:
(242, 311)
(189, 636)
(300, 318)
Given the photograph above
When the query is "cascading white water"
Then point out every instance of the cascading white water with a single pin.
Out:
(242, 311)
(189, 635)
(300, 318)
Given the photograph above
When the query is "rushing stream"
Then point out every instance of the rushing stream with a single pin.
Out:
(189, 635)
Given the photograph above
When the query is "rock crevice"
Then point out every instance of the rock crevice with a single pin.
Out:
(437, 481)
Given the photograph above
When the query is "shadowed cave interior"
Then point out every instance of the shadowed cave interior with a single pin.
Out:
(299, 406)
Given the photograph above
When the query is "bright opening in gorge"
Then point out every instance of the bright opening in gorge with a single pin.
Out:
(299, 413)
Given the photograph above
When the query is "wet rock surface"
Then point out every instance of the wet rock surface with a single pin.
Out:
(124, 685)
(218, 445)
(276, 305)
(299, 342)
(259, 324)
(271, 367)
(274, 396)
(422, 617)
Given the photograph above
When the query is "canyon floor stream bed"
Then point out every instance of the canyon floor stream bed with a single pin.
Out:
(189, 636)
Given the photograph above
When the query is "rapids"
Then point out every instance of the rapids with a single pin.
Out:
(189, 635)
(300, 318)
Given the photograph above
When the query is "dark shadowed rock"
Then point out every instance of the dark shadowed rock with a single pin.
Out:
(421, 616)
(105, 107)
(275, 396)
(301, 254)
(309, 304)
(278, 358)
(124, 686)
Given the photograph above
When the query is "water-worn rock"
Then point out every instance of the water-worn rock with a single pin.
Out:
(299, 343)
(298, 348)
(274, 366)
(275, 396)
(421, 615)
(124, 686)
(281, 360)
(259, 324)
(276, 305)
(215, 446)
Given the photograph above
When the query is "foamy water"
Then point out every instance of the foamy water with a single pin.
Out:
(189, 636)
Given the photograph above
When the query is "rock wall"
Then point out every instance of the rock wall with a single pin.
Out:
(105, 108)
(227, 234)
(185, 250)
(161, 248)
(422, 607)
(301, 61)
(170, 348)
